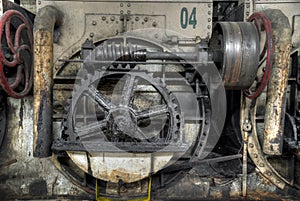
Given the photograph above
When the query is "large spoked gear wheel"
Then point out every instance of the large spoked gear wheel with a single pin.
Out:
(121, 118)
(123, 121)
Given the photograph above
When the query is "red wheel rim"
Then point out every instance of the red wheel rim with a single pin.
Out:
(261, 21)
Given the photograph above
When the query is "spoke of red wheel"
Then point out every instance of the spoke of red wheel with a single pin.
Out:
(18, 78)
(7, 34)
(18, 34)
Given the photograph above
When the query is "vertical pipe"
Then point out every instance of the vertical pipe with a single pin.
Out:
(275, 107)
(47, 18)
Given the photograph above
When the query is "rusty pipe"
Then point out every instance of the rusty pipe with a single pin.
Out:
(46, 19)
(275, 106)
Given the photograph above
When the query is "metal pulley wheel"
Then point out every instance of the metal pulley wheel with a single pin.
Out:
(16, 54)
(235, 46)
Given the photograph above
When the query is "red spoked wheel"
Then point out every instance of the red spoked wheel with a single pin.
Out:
(264, 28)
(16, 54)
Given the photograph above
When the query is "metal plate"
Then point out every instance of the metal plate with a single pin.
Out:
(99, 20)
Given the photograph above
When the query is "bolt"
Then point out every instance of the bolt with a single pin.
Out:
(128, 4)
(112, 18)
(156, 35)
(128, 12)
(94, 22)
(269, 173)
(247, 13)
(208, 26)
(121, 5)
(146, 19)
(251, 145)
(209, 12)
(255, 155)
(277, 181)
(154, 24)
(247, 126)
(103, 18)
(39, 2)
(198, 39)
(137, 18)
(92, 35)
(209, 5)
(261, 165)
(121, 12)
(209, 20)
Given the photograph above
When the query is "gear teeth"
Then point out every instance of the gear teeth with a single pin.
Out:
(69, 101)
(175, 106)
(158, 80)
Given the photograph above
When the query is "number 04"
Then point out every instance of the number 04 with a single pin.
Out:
(186, 19)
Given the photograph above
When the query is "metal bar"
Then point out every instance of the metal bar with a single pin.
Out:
(185, 165)
(7, 163)
(130, 62)
(244, 168)
(96, 146)
(45, 21)
(172, 55)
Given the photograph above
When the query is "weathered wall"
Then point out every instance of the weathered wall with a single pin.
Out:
(28, 175)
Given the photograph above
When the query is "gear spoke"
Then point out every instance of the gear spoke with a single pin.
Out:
(128, 90)
(139, 134)
(18, 77)
(90, 130)
(99, 98)
(155, 111)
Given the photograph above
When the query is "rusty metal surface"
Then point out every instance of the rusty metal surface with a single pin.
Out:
(33, 178)
(275, 106)
(45, 21)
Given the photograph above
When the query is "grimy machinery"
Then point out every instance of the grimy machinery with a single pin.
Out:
(150, 100)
